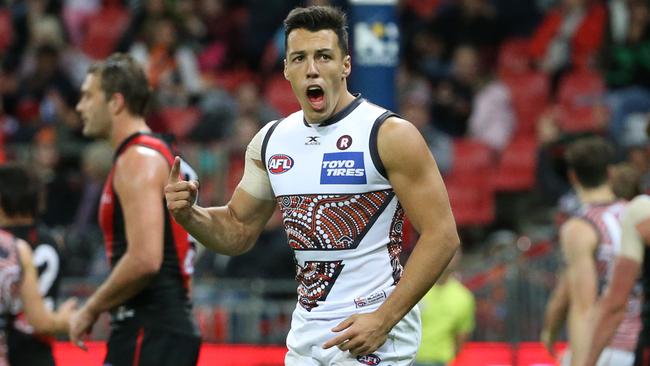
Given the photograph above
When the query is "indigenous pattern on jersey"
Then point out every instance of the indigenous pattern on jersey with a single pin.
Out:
(332, 222)
(606, 220)
(340, 212)
(166, 297)
(25, 348)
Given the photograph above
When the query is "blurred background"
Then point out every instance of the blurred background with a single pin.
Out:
(497, 87)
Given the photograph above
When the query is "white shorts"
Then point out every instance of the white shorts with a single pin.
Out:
(609, 357)
(307, 336)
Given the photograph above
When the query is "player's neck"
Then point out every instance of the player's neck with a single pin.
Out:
(344, 101)
(125, 127)
(599, 194)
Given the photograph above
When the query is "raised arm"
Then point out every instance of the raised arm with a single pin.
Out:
(610, 308)
(231, 229)
(416, 180)
(579, 240)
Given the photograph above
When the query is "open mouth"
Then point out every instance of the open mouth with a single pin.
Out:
(316, 97)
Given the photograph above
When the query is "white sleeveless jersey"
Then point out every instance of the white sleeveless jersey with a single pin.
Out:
(606, 219)
(342, 218)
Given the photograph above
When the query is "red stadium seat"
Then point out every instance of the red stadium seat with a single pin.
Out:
(279, 94)
(180, 121)
(472, 156)
(516, 169)
(470, 185)
(530, 96)
(471, 203)
(514, 58)
(579, 94)
(104, 31)
(6, 29)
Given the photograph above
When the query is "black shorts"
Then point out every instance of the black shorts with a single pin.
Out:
(26, 350)
(146, 346)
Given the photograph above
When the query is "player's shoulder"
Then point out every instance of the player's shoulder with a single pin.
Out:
(398, 138)
(640, 204)
(138, 157)
(577, 228)
(140, 166)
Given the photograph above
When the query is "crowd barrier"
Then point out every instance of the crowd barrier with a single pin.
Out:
(473, 354)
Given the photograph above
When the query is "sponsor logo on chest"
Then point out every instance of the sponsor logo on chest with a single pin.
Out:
(343, 168)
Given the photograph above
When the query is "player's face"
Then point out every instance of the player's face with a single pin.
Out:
(93, 108)
(316, 68)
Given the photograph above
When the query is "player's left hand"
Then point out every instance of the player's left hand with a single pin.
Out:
(81, 323)
(364, 334)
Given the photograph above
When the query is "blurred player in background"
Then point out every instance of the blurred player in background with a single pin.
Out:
(632, 260)
(343, 172)
(590, 241)
(147, 291)
(448, 318)
(19, 208)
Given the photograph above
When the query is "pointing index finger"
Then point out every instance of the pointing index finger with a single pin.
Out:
(175, 173)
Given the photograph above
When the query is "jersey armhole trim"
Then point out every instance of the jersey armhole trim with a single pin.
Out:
(374, 150)
(265, 142)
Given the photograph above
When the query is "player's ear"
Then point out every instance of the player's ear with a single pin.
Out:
(284, 71)
(116, 104)
(347, 66)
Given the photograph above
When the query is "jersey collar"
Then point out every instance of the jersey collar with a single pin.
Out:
(340, 114)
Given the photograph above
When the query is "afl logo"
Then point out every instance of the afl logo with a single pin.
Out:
(280, 163)
(344, 142)
(370, 359)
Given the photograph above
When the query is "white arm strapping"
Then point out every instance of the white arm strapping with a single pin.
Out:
(255, 180)
(632, 245)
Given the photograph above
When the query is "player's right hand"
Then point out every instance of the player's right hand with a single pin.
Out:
(180, 194)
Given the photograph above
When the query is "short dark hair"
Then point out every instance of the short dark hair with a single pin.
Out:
(626, 181)
(316, 18)
(19, 191)
(589, 158)
(121, 73)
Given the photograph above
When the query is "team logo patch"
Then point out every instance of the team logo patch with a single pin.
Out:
(344, 142)
(280, 163)
(370, 359)
(343, 168)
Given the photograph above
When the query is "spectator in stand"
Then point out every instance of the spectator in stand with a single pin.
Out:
(146, 12)
(493, 118)
(453, 96)
(570, 35)
(171, 66)
(472, 22)
(626, 67)
(45, 95)
(414, 106)
(218, 26)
